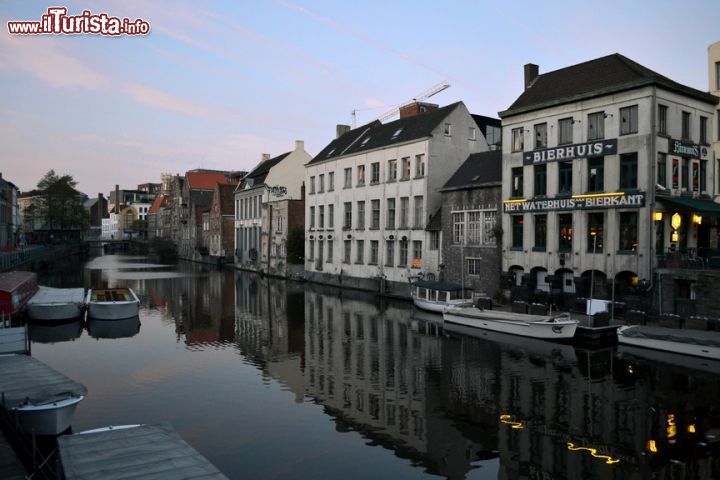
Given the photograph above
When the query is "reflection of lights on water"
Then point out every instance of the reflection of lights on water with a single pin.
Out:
(652, 446)
(507, 419)
(593, 451)
(691, 428)
(671, 428)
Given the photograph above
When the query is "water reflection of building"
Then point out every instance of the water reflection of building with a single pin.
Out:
(597, 419)
(368, 365)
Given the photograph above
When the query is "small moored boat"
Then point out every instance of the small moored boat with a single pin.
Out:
(689, 342)
(54, 304)
(41, 400)
(438, 296)
(549, 327)
(112, 303)
(16, 288)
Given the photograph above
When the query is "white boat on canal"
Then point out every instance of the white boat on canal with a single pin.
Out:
(698, 343)
(112, 303)
(40, 399)
(548, 327)
(438, 296)
(56, 304)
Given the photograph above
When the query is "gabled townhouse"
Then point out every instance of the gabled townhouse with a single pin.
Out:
(371, 191)
(221, 223)
(262, 204)
(193, 196)
(470, 222)
(608, 174)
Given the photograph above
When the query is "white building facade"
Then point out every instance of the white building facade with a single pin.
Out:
(592, 177)
(273, 179)
(370, 194)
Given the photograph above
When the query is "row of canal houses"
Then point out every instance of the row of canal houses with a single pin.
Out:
(605, 170)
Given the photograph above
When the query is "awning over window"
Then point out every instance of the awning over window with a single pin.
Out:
(702, 207)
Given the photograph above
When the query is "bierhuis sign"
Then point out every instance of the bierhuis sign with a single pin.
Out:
(619, 200)
(569, 152)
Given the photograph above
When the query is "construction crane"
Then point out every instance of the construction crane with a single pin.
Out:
(418, 98)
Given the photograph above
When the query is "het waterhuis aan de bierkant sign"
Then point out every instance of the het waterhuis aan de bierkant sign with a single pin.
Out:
(569, 152)
(622, 200)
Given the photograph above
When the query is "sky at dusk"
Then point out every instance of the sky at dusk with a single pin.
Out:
(216, 84)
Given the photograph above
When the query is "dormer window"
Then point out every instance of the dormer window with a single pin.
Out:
(397, 132)
(366, 140)
(332, 150)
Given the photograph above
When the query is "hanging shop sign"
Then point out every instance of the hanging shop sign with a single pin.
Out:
(570, 152)
(577, 202)
(684, 148)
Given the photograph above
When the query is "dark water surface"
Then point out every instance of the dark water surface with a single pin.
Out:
(272, 379)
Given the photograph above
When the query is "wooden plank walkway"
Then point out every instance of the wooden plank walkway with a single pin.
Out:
(142, 452)
(10, 466)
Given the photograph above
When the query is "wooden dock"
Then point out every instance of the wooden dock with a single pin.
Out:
(146, 451)
(10, 466)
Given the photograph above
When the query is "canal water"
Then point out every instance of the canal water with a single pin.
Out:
(272, 379)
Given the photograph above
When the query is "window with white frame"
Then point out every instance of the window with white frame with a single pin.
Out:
(405, 173)
(329, 251)
(348, 178)
(374, 173)
(331, 216)
(434, 240)
(419, 166)
(360, 175)
(312, 184)
(321, 183)
(312, 217)
(474, 227)
(489, 223)
(474, 267)
(458, 227)
(331, 181)
(518, 138)
(279, 224)
(347, 250)
(321, 216)
(418, 216)
(448, 129)
(392, 170)
(629, 120)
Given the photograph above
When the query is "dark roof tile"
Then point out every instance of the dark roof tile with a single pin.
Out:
(478, 169)
(377, 135)
(601, 76)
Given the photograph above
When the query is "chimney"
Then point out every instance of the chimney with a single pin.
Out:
(299, 145)
(264, 157)
(531, 73)
(100, 209)
(341, 130)
(117, 198)
(416, 108)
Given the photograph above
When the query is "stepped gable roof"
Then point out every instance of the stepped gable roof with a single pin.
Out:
(478, 169)
(226, 197)
(258, 174)
(605, 75)
(207, 179)
(377, 135)
(157, 203)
